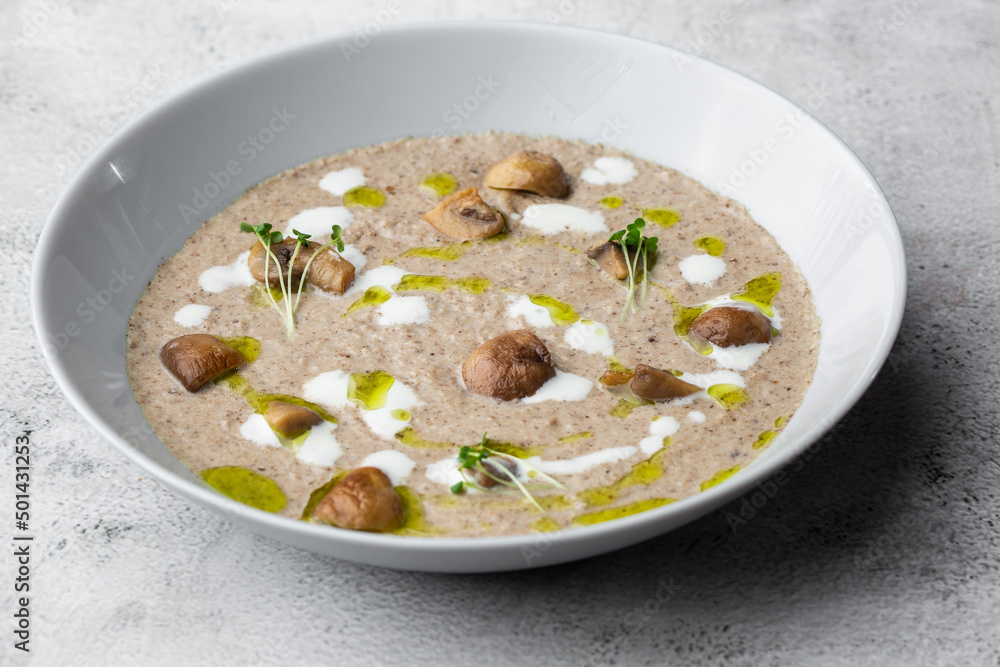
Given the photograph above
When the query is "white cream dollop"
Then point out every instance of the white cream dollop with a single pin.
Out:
(662, 427)
(582, 463)
(738, 357)
(397, 466)
(385, 276)
(258, 431)
(320, 447)
(398, 309)
(535, 316)
(591, 337)
(610, 171)
(317, 222)
(192, 315)
(330, 388)
(702, 269)
(404, 310)
(557, 218)
(562, 387)
(221, 278)
(444, 472)
(339, 182)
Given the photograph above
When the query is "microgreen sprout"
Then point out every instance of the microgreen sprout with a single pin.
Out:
(267, 238)
(471, 458)
(636, 246)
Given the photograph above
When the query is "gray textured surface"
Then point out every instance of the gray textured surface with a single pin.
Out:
(882, 549)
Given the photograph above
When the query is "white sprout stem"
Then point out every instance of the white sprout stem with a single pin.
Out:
(645, 274)
(520, 487)
(289, 309)
(289, 329)
(267, 284)
(545, 476)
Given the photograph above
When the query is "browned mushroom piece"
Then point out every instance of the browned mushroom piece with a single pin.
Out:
(290, 420)
(727, 326)
(492, 466)
(616, 378)
(464, 215)
(362, 500)
(654, 384)
(328, 271)
(195, 359)
(283, 251)
(611, 258)
(512, 365)
(529, 171)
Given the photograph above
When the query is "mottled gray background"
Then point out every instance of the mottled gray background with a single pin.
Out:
(881, 550)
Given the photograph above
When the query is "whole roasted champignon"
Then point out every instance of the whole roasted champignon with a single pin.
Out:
(328, 271)
(283, 251)
(512, 365)
(728, 326)
(651, 384)
(362, 500)
(611, 258)
(529, 171)
(464, 215)
(654, 384)
(290, 420)
(196, 359)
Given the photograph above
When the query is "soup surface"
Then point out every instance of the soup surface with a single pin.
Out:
(382, 363)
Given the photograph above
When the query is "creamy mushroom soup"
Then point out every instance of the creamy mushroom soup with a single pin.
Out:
(472, 335)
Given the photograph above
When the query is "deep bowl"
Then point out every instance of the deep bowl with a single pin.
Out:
(138, 198)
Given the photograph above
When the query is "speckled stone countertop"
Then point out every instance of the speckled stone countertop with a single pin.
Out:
(881, 549)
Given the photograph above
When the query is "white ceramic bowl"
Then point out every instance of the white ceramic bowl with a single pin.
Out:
(138, 198)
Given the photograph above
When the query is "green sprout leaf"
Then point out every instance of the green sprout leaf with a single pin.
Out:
(335, 238)
(302, 237)
(457, 487)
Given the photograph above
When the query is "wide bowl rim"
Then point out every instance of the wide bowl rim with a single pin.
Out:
(684, 510)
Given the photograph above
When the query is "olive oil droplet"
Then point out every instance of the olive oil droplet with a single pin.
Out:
(664, 217)
(439, 184)
(713, 245)
(364, 196)
(719, 477)
(369, 390)
(246, 486)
